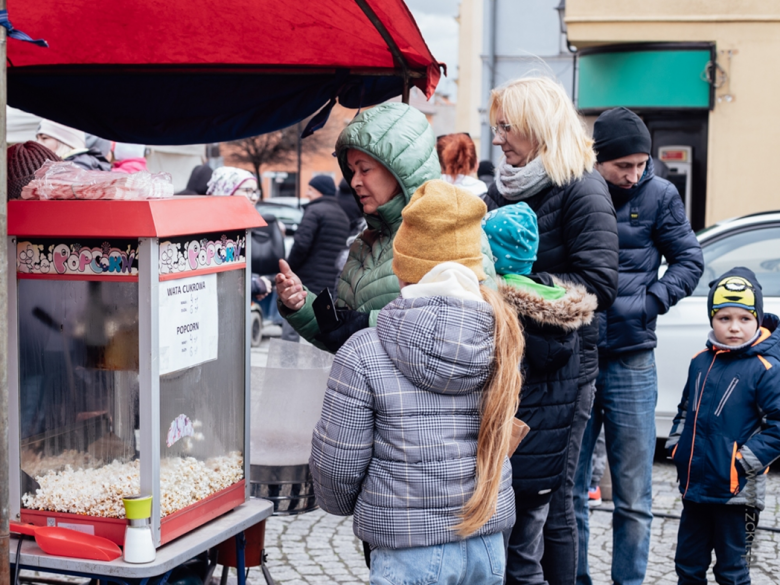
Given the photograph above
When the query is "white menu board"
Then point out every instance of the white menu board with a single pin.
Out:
(189, 324)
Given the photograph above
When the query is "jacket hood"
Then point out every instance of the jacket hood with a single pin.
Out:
(399, 137)
(768, 342)
(575, 309)
(440, 344)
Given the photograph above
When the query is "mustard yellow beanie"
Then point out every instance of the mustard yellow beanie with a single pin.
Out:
(442, 223)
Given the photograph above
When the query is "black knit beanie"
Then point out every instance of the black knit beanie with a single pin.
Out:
(23, 160)
(324, 184)
(739, 288)
(620, 132)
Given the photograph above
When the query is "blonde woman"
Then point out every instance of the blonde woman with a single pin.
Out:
(548, 162)
(417, 417)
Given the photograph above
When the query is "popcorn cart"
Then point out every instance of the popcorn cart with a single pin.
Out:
(129, 369)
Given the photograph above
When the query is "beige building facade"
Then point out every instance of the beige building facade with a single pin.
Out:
(743, 117)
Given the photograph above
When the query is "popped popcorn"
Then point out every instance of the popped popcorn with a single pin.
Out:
(99, 491)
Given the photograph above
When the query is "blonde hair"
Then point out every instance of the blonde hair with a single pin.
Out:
(500, 400)
(539, 109)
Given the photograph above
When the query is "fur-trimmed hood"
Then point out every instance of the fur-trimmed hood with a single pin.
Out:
(575, 309)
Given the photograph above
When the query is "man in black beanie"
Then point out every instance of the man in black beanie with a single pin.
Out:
(651, 223)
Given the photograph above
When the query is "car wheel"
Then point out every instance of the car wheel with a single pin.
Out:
(257, 328)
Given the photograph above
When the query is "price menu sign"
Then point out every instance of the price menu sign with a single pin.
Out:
(189, 325)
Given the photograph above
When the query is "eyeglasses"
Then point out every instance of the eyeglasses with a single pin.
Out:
(501, 129)
(249, 193)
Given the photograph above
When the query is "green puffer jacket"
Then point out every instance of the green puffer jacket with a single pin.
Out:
(399, 137)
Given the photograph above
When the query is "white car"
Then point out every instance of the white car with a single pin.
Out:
(752, 241)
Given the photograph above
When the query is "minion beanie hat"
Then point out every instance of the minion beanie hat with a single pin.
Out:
(736, 288)
(514, 238)
(442, 223)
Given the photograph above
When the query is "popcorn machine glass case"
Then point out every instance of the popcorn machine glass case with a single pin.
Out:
(129, 365)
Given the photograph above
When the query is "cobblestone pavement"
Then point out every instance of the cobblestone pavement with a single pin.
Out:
(320, 548)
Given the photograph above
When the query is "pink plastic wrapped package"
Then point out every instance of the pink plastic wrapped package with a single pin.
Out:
(65, 180)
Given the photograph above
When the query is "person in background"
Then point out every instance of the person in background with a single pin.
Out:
(129, 158)
(385, 153)
(349, 203)
(70, 145)
(23, 160)
(198, 183)
(652, 224)
(727, 433)
(550, 313)
(599, 463)
(548, 163)
(458, 159)
(319, 239)
(98, 147)
(417, 418)
(227, 181)
(357, 223)
(486, 172)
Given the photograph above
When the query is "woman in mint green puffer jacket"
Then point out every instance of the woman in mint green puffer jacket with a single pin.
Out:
(400, 138)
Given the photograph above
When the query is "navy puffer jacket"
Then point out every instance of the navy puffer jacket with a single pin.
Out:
(727, 429)
(319, 240)
(578, 243)
(651, 223)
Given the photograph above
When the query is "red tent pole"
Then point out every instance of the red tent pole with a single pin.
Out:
(391, 44)
(5, 539)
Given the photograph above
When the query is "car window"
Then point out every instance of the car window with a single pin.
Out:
(758, 249)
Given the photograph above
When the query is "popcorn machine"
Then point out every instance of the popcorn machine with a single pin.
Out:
(129, 361)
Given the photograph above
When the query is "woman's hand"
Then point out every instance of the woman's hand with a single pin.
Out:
(289, 287)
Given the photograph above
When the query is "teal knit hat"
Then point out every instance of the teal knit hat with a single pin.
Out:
(514, 238)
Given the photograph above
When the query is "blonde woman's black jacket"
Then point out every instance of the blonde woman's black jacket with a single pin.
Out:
(578, 243)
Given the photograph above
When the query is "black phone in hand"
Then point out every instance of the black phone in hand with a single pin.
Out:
(325, 312)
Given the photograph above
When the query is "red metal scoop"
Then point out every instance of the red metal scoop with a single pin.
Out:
(63, 542)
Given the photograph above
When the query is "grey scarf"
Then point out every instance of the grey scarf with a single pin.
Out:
(521, 183)
(717, 345)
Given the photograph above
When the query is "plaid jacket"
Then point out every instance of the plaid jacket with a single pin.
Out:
(396, 444)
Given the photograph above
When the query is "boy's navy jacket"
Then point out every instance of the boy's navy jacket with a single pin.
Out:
(727, 429)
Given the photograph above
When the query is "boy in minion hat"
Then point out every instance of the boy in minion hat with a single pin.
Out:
(727, 432)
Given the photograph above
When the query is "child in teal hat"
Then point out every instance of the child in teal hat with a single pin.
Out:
(513, 234)
(550, 312)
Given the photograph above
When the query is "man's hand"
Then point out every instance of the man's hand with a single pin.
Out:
(289, 287)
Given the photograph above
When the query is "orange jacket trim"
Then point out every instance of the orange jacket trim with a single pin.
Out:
(734, 477)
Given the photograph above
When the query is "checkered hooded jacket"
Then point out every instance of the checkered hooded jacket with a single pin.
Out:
(396, 445)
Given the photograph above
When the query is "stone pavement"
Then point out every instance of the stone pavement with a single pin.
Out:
(320, 548)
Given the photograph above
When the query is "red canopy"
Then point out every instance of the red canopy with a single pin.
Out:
(109, 59)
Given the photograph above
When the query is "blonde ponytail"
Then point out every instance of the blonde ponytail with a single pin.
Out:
(500, 400)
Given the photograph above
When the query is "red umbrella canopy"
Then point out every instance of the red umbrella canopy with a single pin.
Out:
(202, 71)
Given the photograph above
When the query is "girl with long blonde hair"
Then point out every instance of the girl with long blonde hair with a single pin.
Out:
(548, 162)
(418, 416)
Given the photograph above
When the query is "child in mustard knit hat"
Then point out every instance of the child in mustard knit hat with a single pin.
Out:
(430, 392)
